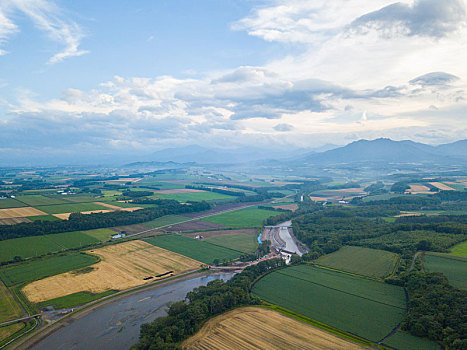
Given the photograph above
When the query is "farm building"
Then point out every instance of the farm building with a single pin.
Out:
(119, 235)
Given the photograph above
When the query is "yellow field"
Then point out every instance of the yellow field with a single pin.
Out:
(442, 186)
(292, 207)
(65, 216)
(19, 212)
(257, 328)
(123, 266)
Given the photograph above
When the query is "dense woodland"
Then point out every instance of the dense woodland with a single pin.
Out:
(79, 222)
(186, 317)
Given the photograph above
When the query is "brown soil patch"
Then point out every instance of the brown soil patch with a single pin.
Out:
(179, 190)
(207, 234)
(442, 186)
(130, 229)
(108, 205)
(123, 266)
(257, 328)
(323, 199)
(20, 212)
(13, 221)
(292, 207)
(195, 225)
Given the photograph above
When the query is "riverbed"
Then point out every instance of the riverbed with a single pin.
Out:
(116, 325)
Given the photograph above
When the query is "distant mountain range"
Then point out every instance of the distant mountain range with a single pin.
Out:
(381, 150)
(389, 151)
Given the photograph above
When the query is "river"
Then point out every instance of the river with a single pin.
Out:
(116, 325)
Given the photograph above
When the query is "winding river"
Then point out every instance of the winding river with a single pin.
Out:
(116, 325)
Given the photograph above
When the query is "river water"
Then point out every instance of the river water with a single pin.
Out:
(116, 325)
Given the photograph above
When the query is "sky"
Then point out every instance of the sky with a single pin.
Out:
(95, 79)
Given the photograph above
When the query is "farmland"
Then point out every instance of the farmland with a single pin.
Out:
(266, 329)
(405, 341)
(122, 266)
(362, 261)
(20, 212)
(71, 208)
(198, 250)
(454, 267)
(193, 196)
(9, 308)
(249, 217)
(165, 220)
(10, 203)
(460, 249)
(39, 269)
(242, 243)
(75, 299)
(102, 234)
(36, 200)
(356, 305)
(27, 247)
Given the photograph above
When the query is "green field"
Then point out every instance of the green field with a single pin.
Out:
(43, 218)
(70, 208)
(38, 269)
(454, 267)
(192, 248)
(9, 308)
(405, 341)
(193, 196)
(10, 203)
(75, 299)
(243, 243)
(460, 249)
(249, 217)
(80, 199)
(27, 247)
(362, 261)
(353, 304)
(166, 220)
(36, 199)
(102, 234)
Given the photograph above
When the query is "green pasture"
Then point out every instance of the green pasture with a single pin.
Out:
(193, 196)
(75, 299)
(454, 267)
(192, 248)
(242, 243)
(356, 305)
(27, 247)
(11, 203)
(362, 261)
(43, 218)
(9, 308)
(37, 199)
(78, 198)
(460, 249)
(102, 234)
(70, 208)
(165, 220)
(38, 269)
(406, 341)
(249, 217)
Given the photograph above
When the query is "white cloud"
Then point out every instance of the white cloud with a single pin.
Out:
(47, 17)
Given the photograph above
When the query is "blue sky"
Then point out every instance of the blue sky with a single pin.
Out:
(117, 77)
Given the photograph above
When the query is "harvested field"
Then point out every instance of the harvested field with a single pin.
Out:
(442, 186)
(13, 221)
(207, 234)
(179, 190)
(65, 216)
(123, 266)
(20, 212)
(108, 205)
(415, 189)
(130, 229)
(408, 213)
(258, 328)
(195, 225)
(292, 207)
(323, 199)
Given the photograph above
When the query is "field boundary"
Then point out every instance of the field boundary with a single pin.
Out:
(317, 324)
